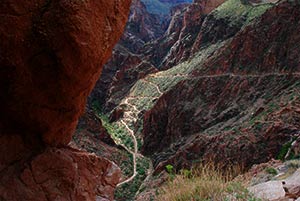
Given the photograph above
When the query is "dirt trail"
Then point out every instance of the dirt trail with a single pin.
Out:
(155, 85)
(228, 74)
(134, 154)
(129, 114)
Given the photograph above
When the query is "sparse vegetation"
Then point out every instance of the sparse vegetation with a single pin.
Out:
(294, 164)
(115, 130)
(120, 134)
(208, 182)
(271, 170)
(283, 151)
(237, 11)
(128, 190)
(170, 169)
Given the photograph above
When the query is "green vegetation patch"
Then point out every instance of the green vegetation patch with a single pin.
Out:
(143, 88)
(128, 191)
(143, 103)
(236, 10)
(271, 170)
(117, 131)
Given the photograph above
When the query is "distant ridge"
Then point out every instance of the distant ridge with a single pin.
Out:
(162, 7)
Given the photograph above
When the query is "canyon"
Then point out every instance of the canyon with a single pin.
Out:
(220, 84)
(110, 100)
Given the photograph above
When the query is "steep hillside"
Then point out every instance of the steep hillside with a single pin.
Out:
(176, 45)
(231, 100)
(234, 105)
(126, 64)
(221, 83)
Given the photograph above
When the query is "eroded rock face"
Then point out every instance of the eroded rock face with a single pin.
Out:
(236, 106)
(141, 27)
(184, 34)
(126, 65)
(60, 174)
(51, 56)
(208, 5)
(57, 53)
(148, 44)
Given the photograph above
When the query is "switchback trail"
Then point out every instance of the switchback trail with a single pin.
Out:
(135, 111)
(134, 155)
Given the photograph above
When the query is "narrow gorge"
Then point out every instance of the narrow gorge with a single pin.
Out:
(167, 100)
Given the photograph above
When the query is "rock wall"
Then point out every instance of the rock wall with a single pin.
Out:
(126, 65)
(52, 52)
(148, 45)
(241, 104)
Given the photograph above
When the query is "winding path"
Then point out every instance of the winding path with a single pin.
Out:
(229, 74)
(134, 154)
(128, 114)
(155, 85)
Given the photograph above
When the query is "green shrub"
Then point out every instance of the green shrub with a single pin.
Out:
(170, 169)
(186, 173)
(283, 151)
(271, 170)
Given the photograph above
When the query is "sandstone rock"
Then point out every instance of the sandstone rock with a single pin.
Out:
(292, 183)
(272, 190)
(58, 50)
(51, 56)
(60, 174)
(279, 190)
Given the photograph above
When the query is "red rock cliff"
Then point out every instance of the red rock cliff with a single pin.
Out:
(51, 54)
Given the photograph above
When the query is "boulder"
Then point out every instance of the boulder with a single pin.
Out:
(51, 55)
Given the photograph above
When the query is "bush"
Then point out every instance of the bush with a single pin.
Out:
(170, 169)
(207, 182)
(283, 151)
(271, 170)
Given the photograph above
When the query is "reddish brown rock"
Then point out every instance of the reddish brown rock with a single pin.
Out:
(148, 44)
(141, 27)
(90, 123)
(126, 65)
(191, 19)
(60, 174)
(51, 55)
(209, 5)
(278, 45)
(238, 107)
(58, 50)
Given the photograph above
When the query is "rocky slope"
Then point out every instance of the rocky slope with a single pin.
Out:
(181, 39)
(275, 181)
(126, 64)
(51, 57)
(231, 101)
(221, 84)
(251, 108)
